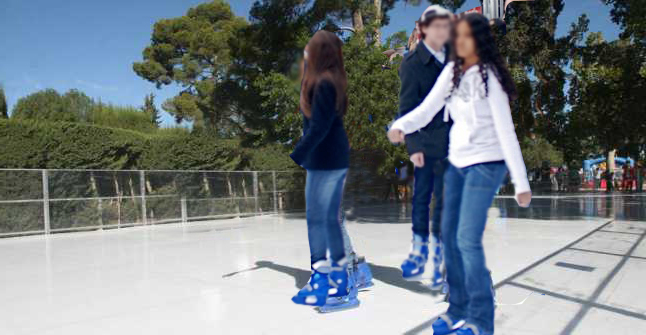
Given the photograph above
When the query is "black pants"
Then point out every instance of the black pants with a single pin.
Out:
(429, 183)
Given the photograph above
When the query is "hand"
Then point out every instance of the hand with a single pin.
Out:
(396, 136)
(524, 199)
(417, 159)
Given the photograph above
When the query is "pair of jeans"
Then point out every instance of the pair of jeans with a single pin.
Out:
(323, 196)
(469, 192)
(429, 181)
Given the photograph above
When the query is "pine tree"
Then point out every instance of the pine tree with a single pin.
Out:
(150, 108)
(3, 105)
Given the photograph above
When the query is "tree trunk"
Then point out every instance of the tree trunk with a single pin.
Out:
(357, 20)
(378, 18)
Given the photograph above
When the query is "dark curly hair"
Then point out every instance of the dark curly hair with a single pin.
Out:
(487, 52)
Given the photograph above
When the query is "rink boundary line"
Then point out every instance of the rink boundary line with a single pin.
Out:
(602, 286)
(607, 253)
(545, 258)
(575, 196)
(583, 302)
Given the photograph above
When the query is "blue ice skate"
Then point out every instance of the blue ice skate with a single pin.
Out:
(343, 290)
(413, 266)
(469, 329)
(438, 281)
(362, 274)
(315, 293)
(445, 325)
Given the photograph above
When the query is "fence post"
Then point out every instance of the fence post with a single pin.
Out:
(183, 209)
(142, 190)
(45, 177)
(273, 177)
(255, 191)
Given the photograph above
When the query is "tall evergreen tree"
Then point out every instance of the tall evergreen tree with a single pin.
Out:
(3, 105)
(150, 109)
(193, 51)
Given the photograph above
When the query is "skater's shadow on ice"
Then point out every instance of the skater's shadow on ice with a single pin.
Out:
(393, 276)
(300, 276)
(388, 275)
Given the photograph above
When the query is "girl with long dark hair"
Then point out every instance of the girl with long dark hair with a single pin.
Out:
(324, 152)
(476, 88)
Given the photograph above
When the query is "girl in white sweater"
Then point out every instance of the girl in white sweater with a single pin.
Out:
(476, 88)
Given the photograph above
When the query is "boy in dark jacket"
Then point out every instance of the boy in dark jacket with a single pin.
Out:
(428, 148)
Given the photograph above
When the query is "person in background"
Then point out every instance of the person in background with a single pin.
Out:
(413, 40)
(428, 147)
(597, 178)
(477, 88)
(324, 152)
(640, 173)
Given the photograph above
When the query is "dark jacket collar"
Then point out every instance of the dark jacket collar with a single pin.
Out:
(426, 56)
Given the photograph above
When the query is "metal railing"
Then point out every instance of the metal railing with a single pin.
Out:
(45, 201)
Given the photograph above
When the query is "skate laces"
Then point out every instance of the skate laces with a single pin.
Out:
(416, 248)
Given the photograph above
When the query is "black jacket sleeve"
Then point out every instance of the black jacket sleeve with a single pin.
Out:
(323, 114)
(408, 100)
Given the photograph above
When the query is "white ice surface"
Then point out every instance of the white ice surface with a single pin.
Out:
(176, 279)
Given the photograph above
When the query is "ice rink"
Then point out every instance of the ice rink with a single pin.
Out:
(577, 262)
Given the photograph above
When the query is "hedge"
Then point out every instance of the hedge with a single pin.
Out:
(63, 145)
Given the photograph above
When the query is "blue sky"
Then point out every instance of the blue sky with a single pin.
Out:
(91, 44)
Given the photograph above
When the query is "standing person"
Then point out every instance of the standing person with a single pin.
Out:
(477, 87)
(428, 147)
(597, 178)
(324, 152)
(640, 173)
(358, 268)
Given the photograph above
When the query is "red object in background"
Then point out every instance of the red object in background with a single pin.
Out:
(474, 10)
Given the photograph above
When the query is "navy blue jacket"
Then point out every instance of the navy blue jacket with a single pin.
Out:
(324, 145)
(418, 73)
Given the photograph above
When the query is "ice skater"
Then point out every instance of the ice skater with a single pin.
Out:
(428, 147)
(476, 88)
(324, 152)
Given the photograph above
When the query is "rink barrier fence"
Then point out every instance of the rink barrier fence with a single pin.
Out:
(188, 195)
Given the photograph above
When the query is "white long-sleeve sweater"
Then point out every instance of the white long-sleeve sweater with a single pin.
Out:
(483, 130)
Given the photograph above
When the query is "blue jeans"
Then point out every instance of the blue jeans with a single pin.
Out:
(428, 181)
(468, 195)
(323, 196)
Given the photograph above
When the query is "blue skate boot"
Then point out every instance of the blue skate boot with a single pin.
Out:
(469, 329)
(315, 293)
(413, 266)
(362, 274)
(445, 325)
(438, 281)
(343, 290)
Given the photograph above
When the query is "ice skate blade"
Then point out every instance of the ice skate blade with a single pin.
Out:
(338, 307)
(365, 286)
(436, 287)
(302, 300)
(418, 277)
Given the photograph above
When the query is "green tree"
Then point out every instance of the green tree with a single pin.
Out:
(43, 105)
(606, 96)
(3, 105)
(537, 150)
(280, 103)
(122, 117)
(150, 109)
(373, 100)
(193, 52)
(630, 15)
(77, 103)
